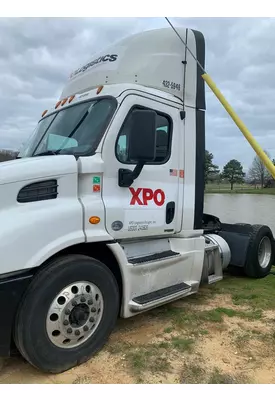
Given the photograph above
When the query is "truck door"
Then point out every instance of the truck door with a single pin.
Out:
(152, 206)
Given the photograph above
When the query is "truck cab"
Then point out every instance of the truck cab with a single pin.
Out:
(102, 212)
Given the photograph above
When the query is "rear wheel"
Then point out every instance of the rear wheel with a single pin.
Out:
(260, 253)
(67, 313)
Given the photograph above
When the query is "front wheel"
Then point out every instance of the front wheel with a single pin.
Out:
(67, 313)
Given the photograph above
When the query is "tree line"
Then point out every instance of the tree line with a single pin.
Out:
(233, 173)
(6, 155)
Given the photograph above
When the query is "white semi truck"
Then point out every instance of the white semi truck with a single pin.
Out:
(102, 212)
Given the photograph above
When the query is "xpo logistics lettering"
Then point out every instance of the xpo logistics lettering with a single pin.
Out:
(104, 204)
(157, 196)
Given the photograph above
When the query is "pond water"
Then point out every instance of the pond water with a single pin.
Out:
(247, 208)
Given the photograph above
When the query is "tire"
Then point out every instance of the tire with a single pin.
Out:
(33, 334)
(258, 266)
(242, 224)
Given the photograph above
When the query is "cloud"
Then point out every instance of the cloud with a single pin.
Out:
(38, 54)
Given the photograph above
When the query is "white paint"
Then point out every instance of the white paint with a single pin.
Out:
(143, 220)
(117, 200)
(140, 248)
(32, 232)
(39, 230)
(144, 278)
(150, 59)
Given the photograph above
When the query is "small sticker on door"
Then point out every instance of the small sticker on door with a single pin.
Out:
(117, 225)
(96, 180)
(96, 188)
(173, 172)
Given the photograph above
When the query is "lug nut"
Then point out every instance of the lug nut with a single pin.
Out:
(85, 328)
(93, 309)
(74, 303)
(66, 322)
(90, 302)
(67, 312)
(69, 330)
(83, 299)
(77, 332)
(92, 319)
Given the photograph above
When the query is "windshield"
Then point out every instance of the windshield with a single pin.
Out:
(74, 130)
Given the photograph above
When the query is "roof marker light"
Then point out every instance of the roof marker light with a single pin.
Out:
(44, 113)
(58, 104)
(71, 98)
(99, 89)
(64, 101)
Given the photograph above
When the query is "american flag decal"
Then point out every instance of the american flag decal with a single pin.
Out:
(173, 172)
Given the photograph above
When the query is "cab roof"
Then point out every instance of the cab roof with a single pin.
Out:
(155, 59)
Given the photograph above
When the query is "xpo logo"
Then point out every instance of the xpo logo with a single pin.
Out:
(141, 196)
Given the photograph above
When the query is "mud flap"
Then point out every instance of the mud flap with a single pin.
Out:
(12, 288)
(238, 238)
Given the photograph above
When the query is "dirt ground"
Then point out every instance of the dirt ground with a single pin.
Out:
(224, 334)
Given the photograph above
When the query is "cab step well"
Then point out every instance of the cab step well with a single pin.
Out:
(153, 257)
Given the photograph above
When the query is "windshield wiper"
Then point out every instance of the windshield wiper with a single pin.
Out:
(46, 153)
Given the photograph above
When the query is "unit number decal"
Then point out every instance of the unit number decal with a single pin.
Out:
(136, 226)
(140, 220)
(171, 85)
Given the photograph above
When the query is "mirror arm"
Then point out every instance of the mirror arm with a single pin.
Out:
(126, 177)
(137, 170)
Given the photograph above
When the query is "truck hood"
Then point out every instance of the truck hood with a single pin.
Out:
(33, 168)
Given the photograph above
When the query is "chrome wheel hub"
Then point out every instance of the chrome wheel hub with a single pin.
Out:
(264, 252)
(74, 314)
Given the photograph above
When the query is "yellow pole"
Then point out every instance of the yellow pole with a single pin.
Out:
(257, 148)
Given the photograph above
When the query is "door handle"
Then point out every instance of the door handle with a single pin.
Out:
(170, 212)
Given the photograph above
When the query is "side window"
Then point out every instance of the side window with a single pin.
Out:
(163, 139)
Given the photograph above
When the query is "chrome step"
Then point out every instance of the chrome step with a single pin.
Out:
(159, 297)
(153, 257)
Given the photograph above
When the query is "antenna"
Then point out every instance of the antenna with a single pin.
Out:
(185, 44)
(247, 134)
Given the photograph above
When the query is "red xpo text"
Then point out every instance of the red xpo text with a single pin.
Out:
(142, 196)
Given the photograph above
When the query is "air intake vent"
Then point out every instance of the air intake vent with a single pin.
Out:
(38, 191)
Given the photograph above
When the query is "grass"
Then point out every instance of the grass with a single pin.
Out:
(192, 374)
(169, 329)
(143, 359)
(220, 378)
(182, 344)
(186, 322)
(152, 358)
(183, 317)
(147, 359)
(258, 294)
(243, 338)
(196, 374)
(237, 189)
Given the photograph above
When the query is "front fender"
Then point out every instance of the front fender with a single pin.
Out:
(30, 233)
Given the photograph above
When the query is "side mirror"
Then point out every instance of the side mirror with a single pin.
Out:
(143, 135)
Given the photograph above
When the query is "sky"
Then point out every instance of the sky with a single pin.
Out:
(37, 56)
